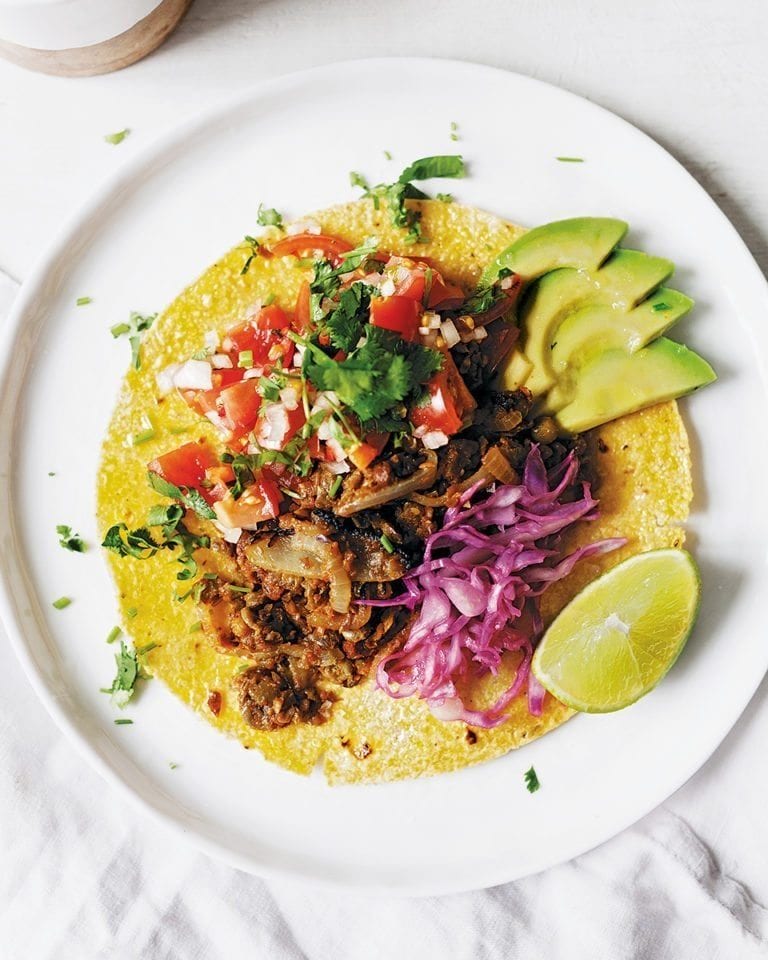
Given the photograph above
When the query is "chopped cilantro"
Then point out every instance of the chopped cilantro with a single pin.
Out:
(570, 159)
(237, 589)
(141, 545)
(335, 487)
(136, 325)
(113, 634)
(61, 603)
(179, 428)
(131, 612)
(115, 138)
(83, 301)
(396, 194)
(144, 435)
(531, 780)
(268, 389)
(387, 155)
(127, 674)
(122, 722)
(172, 765)
(191, 498)
(255, 247)
(454, 130)
(661, 306)
(268, 300)
(486, 297)
(387, 543)
(51, 473)
(269, 217)
(378, 375)
(196, 627)
(69, 540)
(345, 324)
(444, 197)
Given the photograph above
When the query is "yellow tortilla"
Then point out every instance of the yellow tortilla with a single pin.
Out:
(643, 462)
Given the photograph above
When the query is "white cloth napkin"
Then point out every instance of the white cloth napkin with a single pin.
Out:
(85, 876)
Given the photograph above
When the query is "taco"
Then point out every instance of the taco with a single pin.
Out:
(332, 418)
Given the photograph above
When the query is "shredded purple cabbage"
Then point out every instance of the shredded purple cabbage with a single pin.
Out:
(478, 591)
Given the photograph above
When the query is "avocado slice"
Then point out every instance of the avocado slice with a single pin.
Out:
(626, 278)
(615, 383)
(582, 242)
(595, 327)
(514, 372)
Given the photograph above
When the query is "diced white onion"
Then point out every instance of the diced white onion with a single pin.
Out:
(450, 333)
(211, 340)
(272, 426)
(165, 379)
(337, 468)
(424, 331)
(506, 283)
(206, 299)
(194, 375)
(336, 449)
(230, 534)
(431, 320)
(290, 398)
(387, 287)
(253, 374)
(481, 333)
(221, 361)
(434, 439)
(324, 430)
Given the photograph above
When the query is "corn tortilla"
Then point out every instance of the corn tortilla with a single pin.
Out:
(642, 461)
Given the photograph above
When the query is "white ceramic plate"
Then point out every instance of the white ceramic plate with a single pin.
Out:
(151, 231)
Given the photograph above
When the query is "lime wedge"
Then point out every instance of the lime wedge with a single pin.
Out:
(619, 636)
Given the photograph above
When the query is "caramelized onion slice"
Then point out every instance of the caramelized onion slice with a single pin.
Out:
(421, 479)
(495, 466)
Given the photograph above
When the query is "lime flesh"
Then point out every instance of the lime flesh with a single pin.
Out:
(619, 636)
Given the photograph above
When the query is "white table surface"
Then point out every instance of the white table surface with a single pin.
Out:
(692, 73)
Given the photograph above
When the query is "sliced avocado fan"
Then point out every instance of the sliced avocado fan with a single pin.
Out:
(589, 313)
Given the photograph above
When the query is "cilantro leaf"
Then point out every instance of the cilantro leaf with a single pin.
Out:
(69, 540)
(346, 322)
(269, 217)
(425, 363)
(136, 325)
(127, 674)
(428, 168)
(531, 780)
(190, 498)
(377, 376)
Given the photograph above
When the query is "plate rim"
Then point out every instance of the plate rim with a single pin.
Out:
(131, 168)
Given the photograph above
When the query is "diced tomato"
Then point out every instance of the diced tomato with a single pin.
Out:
(265, 346)
(221, 473)
(204, 401)
(364, 454)
(301, 311)
(462, 395)
(272, 317)
(450, 401)
(413, 278)
(313, 447)
(400, 314)
(305, 244)
(239, 406)
(278, 425)
(187, 465)
(259, 502)
(443, 294)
